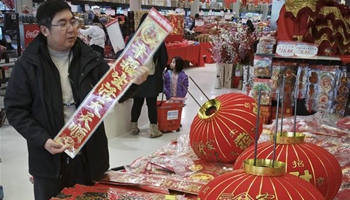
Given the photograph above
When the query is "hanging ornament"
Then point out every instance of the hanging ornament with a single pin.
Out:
(305, 160)
(224, 127)
(264, 180)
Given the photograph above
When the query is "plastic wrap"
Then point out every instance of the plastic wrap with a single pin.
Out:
(302, 80)
(104, 192)
(341, 93)
(262, 66)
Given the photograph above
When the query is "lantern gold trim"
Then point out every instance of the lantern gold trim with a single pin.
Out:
(264, 167)
(289, 138)
(209, 109)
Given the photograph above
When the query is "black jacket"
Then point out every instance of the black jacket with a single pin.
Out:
(34, 106)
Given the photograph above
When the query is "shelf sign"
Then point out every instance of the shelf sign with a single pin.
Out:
(296, 49)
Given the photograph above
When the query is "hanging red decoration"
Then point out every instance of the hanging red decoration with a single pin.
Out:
(308, 161)
(261, 181)
(9, 3)
(228, 2)
(224, 127)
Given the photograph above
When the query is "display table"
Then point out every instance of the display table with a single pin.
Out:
(174, 38)
(205, 51)
(191, 53)
(157, 173)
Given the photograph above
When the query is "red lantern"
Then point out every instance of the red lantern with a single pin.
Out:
(224, 127)
(308, 161)
(260, 181)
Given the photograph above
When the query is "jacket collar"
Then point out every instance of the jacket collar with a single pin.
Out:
(39, 47)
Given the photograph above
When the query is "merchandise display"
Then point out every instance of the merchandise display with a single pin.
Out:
(323, 87)
(265, 179)
(312, 22)
(155, 174)
(305, 160)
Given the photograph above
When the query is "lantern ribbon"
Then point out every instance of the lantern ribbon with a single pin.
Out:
(106, 93)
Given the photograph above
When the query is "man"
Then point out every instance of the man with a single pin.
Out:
(96, 35)
(196, 17)
(53, 76)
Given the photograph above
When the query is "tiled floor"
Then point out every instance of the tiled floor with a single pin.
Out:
(123, 149)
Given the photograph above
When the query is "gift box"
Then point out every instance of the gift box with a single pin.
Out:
(264, 86)
(266, 113)
(287, 112)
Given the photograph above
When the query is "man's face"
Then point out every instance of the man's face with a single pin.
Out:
(63, 32)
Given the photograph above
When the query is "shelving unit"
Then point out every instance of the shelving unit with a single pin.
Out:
(315, 60)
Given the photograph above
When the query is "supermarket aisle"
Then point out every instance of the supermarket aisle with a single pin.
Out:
(124, 149)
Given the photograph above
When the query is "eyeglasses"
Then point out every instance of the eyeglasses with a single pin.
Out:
(64, 25)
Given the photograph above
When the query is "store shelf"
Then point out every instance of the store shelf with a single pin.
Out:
(315, 59)
(11, 63)
(330, 58)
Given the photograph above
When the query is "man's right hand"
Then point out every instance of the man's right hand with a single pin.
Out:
(141, 74)
(54, 147)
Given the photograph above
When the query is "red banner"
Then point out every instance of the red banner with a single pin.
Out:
(30, 32)
(106, 93)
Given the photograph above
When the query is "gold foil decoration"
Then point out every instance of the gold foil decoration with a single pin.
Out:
(337, 16)
(332, 10)
(294, 6)
(336, 12)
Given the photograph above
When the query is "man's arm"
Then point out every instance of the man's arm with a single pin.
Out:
(18, 104)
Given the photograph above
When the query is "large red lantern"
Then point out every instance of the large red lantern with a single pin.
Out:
(305, 160)
(264, 180)
(224, 127)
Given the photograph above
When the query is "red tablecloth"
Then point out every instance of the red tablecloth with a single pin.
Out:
(174, 38)
(190, 53)
(205, 51)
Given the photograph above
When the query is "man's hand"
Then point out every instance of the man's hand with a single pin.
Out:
(140, 75)
(54, 147)
(2, 48)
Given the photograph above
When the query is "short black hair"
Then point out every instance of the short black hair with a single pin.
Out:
(96, 19)
(179, 64)
(48, 9)
(196, 15)
(250, 25)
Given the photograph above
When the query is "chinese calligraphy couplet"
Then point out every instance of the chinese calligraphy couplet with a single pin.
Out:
(106, 93)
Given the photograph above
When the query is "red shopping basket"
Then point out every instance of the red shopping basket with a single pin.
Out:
(169, 114)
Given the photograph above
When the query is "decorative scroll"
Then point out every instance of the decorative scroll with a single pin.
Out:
(106, 93)
(104, 192)
(175, 183)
